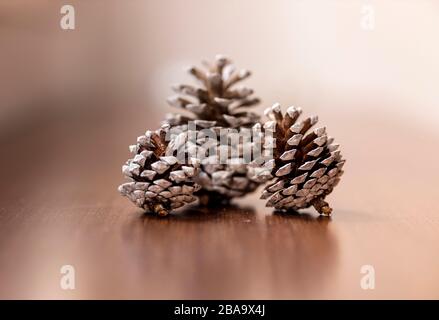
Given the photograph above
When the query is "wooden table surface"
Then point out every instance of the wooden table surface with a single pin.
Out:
(59, 206)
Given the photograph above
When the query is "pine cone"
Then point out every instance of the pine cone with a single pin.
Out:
(217, 105)
(306, 166)
(159, 181)
(225, 171)
(216, 99)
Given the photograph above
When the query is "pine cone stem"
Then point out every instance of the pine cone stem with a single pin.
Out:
(160, 210)
(322, 207)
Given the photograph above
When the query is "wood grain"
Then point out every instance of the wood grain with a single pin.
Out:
(59, 206)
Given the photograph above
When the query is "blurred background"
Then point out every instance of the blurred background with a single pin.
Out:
(71, 101)
(312, 53)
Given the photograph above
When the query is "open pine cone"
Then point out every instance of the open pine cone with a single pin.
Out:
(306, 165)
(226, 168)
(216, 104)
(159, 181)
(216, 99)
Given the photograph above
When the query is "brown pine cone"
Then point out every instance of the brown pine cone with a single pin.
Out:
(216, 99)
(159, 181)
(216, 104)
(306, 164)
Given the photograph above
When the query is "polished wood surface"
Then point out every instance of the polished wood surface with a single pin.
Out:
(59, 206)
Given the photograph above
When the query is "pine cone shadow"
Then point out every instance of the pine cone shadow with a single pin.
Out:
(224, 253)
(200, 213)
(302, 216)
(308, 247)
(212, 199)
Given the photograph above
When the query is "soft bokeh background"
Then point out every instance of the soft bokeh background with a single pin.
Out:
(71, 102)
(311, 53)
